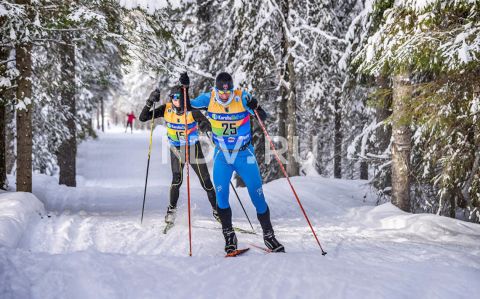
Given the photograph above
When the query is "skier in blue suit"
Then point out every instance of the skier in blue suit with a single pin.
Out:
(229, 111)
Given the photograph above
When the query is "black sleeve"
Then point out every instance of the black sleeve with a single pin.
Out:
(202, 121)
(262, 113)
(198, 116)
(147, 113)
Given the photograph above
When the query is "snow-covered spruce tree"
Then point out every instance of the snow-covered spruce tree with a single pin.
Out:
(321, 79)
(71, 32)
(370, 130)
(437, 44)
(101, 55)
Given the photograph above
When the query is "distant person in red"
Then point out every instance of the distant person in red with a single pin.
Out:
(131, 117)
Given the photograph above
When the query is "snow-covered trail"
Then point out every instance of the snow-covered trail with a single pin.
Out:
(90, 244)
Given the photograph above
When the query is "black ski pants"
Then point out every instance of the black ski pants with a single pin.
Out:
(196, 159)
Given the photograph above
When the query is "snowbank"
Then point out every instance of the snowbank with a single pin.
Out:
(16, 211)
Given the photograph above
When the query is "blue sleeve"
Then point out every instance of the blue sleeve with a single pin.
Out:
(202, 101)
(245, 96)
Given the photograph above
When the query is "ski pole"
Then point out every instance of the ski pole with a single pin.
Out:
(236, 194)
(185, 112)
(288, 179)
(148, 163)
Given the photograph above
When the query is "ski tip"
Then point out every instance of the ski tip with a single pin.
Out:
(237, 252)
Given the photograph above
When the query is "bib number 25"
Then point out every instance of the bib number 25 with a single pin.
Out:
(229, 128)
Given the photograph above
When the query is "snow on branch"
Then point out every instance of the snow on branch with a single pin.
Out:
(323, 33)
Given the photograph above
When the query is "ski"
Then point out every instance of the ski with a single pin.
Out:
(237, 229)
(262, 248)
(237, 252)
(167, 227)
(244, 231)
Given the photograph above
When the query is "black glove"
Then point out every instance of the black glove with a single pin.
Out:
(153, 98)
(252, 103)
(261, 113)
(205, 126)
(184, 79)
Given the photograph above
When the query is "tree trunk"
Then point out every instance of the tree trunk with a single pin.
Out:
(98, 118)
(3, 148)
(103, 114)
(204, 14)
(10, 137)
(4, 55)
(476, 160)
(337, 140)
(292, 166)
(363, 170)
(289, 95)
(401, 147)
(24, 114)
(67, 152)
(384, 133)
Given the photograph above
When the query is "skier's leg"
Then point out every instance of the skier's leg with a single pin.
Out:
(246, 166)
(177, 176)
(227, 229)
(200, 168)
(222, 173)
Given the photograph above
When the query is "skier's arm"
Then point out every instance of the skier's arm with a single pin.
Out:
(202, 101)
(147, 114)
(202, 121)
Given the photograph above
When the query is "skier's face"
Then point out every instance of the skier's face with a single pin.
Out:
(176, 103)
(224, 95)
(176, 100)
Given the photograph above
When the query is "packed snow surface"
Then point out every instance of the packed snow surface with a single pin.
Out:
(87, 242)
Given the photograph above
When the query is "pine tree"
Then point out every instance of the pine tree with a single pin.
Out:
(437, 43)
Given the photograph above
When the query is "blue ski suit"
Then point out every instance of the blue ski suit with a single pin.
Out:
(231, 131)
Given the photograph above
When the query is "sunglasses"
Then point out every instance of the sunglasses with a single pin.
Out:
(175, 96)
(222, 92)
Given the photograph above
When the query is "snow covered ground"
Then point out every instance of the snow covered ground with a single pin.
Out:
(87, 242)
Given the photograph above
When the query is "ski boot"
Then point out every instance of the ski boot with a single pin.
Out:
(171, 214)
(272, 243)
(268, 234)
(230, 240)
